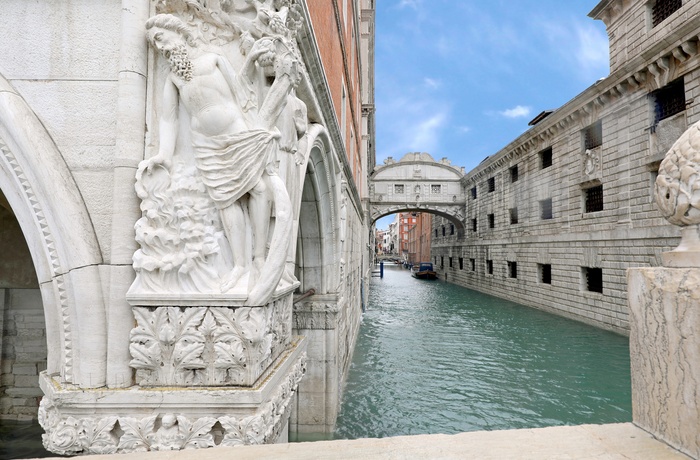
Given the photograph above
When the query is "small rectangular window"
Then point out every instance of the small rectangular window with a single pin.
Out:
(442, 261)
(668, 100)
(450, 261)
(593, 136)
(474, 193)
(513, 215)
(474, 225)
(461, 263)
(546, 158)
(492, 221)
(663, 9)
(489, 267)
(514, 173)
(594, 198)
(452, 229)
(546, 209)
(512, 269)
(436, 235)
(472, 262)
(545, 272)
(398, 189)
(435, 189)
(592, 279)
(443, 230)
(491, 184)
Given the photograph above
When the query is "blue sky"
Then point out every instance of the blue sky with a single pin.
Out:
(462, 78)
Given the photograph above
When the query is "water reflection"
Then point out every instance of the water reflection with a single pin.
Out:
(433, 357)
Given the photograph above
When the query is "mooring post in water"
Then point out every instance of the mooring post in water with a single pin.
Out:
(381, 269)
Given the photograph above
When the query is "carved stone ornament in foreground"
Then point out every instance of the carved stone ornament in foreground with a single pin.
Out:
(208, 346)
(678, 196)
(216, 216)
(68, 435)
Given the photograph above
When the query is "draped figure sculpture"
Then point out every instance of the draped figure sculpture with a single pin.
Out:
(235, 144)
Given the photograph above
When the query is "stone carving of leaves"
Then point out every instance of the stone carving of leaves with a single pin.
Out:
(99, 435)
(138, 434)
(198, 435)
(64, 437)
(247, 431)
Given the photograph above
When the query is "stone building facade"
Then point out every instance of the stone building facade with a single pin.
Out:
(556, 217)
(78, 98)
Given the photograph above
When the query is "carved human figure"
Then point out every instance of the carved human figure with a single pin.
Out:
(168, 436)
(234, 139)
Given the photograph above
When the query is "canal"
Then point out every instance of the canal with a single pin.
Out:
(433, 357)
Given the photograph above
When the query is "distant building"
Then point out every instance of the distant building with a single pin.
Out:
(419, 238)
(555, 218)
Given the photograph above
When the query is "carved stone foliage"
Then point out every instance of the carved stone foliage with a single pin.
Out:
(69, 435)
(678, 182)
(315, 315)
(208, 346)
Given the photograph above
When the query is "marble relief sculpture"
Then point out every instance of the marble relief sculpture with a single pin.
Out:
(217, 218)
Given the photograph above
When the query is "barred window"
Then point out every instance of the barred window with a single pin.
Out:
(546, 209)
(592, 279)
(513, 215)
(668, 100)
(546, 158)
(514, 173)
(663, 9)
(593, 135)
(489, 267)
(491, 184)
(474, 193)
(492, 220)
(398, 189)
(594, 198)
(545, 272)
(435, 189)
(512, 269)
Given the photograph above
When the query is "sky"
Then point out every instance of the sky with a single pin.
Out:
(462, 78)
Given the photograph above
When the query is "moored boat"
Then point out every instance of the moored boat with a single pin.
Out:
(424, 271)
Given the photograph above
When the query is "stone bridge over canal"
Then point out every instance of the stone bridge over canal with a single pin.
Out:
(418, 182)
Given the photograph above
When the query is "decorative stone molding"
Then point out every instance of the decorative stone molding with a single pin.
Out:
(316, 315)
(592, 159)
(208, 346)
(73, 434)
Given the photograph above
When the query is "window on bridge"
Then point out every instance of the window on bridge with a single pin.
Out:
(546, 158)
(514, 174)
(513, 215)
(399, 189)
(593, 136)
(663, 9)
(474, 225)
(592, 279)
(593, 199)
(492, 220)
(461, 263)
(545, 273)
(512, 269)
(472, 262)
(474, 193)
(491, 184)
(489, 267)
(435, 189)
(546, 209)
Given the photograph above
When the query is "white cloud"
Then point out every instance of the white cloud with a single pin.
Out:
(593, 49)
(426, 132)
(518, 111)
(409, 3)
(463, 129)
(432, 83)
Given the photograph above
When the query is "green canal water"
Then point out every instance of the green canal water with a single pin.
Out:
(433, 357)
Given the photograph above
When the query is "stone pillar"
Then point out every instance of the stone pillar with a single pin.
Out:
(665, 311)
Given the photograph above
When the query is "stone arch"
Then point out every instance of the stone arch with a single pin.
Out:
(316, 256)
(42, 193)
(452, 214)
